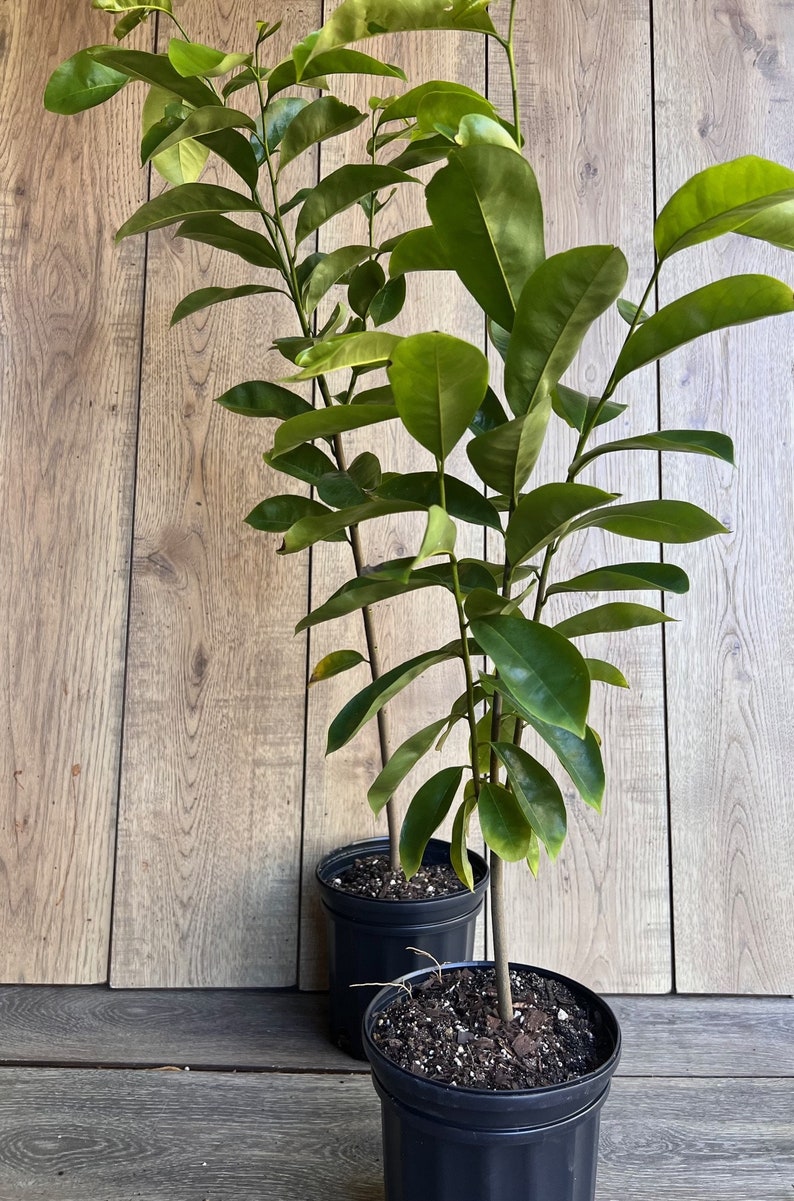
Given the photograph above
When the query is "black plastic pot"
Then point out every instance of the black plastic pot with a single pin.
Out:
(368, 939)
(455, 1144)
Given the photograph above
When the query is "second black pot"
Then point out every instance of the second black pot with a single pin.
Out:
(368, 939)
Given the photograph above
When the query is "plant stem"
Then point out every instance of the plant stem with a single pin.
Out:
(498, 928)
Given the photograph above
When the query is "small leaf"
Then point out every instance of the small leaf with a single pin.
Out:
(223, 234)
(631, 312)
(203, 121)
(607, 673)
(439, 383)
(388, 303)
(325, 423)
(204, 298)
(81, 83)
(503, 823)
(580, 757)
(368, 349)
(316, 122)
(278, 513)
(365, 283)
(329, 271)
(334, 664)
(258, 398)
(619, 615)
(278, 117)
(306, 463)
(439, 538)
(418, 250)
(426, 812)
(538, 794)
(458, 851)
(475, 130)
(193, 58)
(545, 514)
(505, 457)
(576, 409)
(340, 190)
(401, 763)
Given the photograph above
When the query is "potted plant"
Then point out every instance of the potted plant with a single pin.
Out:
(491, 1076)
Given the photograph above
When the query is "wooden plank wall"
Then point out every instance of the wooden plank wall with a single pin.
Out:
(220, 818)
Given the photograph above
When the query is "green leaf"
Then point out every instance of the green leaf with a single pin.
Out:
(388, 303)
(259, 398)
(203, 121)
(438, 383)
(370, 349)
(278, 513)
(306, 532)
(402, 108)
(370, 700)
(545, 514)
(505, 457)
(324, 423)
(329, 271)
(626, 577)
(607, 673)
(489, 416)
(542, 669)
(576, 409)
(354, 20)
(503, 823)
(278, 117)
(674, 521)
(726, 302)
(182, 162)
(619, 615)
(154, 69)
(365, 470)
(223, 234)
(365, 283)
(443, 111)
(307, 463)
(192, 58)
(629, 311)
(337, 489)
(401, 763)
(439, 537)
(204, 298)
(134, 18)
(334, 664)
(426, 812)
(461, 500)
(341, 189)
(316, 122)
(486, 210)
(477, 130)
(187, 200)
(775, 225)
(721, 199)
(580, 757)
(418, 250)
(336, 62)
(555, 310)
(695, 442)
(538, 794)
(120, 6)
(458, 851)
(81, 83)
(422, 152)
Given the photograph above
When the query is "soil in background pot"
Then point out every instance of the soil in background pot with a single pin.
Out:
(372, 876)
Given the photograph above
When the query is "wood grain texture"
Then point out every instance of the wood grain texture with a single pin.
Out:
(210, 805)
(69, 353)
(287, 1031)
(601, 912)
(730, 689)
(167, 1136)
(336, 810)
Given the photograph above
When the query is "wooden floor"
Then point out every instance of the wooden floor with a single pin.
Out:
(236, 1096)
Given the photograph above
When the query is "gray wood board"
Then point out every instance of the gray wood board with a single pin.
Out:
(261, 1031)
(87, 1135)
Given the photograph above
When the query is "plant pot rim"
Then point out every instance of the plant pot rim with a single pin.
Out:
(500, 1096)
(375, 846)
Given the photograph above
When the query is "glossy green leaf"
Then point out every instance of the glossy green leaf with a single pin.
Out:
(223, 234)
(545, 513)
(341, 189)
(503, 823)
(306, 532)
(486, 210)
(505, 457)
(204, 121)
(366, 470)
(461, 500)
(423, 152)
(134, 18)
(418, 250)
(365, 283)
(542, 669)
(726, 302)
(580, 757)
(607, 673)
(555, 310)
(337, 489)
(439, 537)
(694, 442)
(489, 416)
(193, 58)
(81, 83)
(404, 107)
(204, 298)
(334, 664)
(538, 794)
(259, 398)
(721, 199)
(426, 812)
(278, 117)
(774, 225)
(438, 383)
(655, 521)
(335, 62)
(278, 513)
(443, 111)
(476, 130)
(603, 619)
(388, 303)
(325, 423)
(330, 270)
(180, 163)
(631, 312)
(401, 763)
(458, 850)
(307, 463)
(576, 409)
(370, 700)
(370, 349)
(155, 69)
(354, 20)
(626, 577)
(324, 118)
(178, 204)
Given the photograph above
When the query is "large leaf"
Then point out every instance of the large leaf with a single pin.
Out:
(278, 513)
(626, 577)
(503, 822)
(401, 762)
(370, 349)
(733, 301)
(581, 757)
(156, 70)
(178, 204)
(322, 119)
(695, 442)
(306, 532)
(223, 234)
(81, 83)
(542, 669)
(203, 121)
(505, 456)
(655, 521)
(324, 423)
(426, 812)
(370, 700)
(720, 199)
(330, 270)
(259, 398)
(486, 210)
(602, 619)
(354, 20)
(538, 794)
(204, 298)
(555, 310)
(545, 514)
(461, 500)
(341, 189)
(438, 383)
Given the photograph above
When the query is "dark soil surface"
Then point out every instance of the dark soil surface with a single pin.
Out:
(373, 877)
(449, 1030)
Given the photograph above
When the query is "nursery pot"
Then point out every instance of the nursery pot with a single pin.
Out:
(442, 1143)
(368, 938)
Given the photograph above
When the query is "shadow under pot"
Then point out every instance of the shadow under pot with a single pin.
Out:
(368, 939)
(442, 1142)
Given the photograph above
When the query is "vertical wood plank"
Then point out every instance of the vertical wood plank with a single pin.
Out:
(68, 380)
(730, 691)
(210, 805)
(601, 912)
